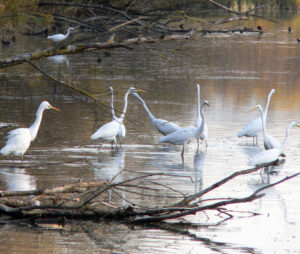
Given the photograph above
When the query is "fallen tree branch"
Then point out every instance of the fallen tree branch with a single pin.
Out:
(71, 49)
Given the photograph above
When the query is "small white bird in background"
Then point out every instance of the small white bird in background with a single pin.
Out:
(199, 120)
(254, 127)
(268, 156)
(184, 136)
(110, 130)
(18, 140)
(269, 141)
(162, 126)
(122, 129)
(60, 37)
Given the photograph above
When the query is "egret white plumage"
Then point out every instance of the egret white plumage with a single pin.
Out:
(110, 130)
(162, 126)
(269, 141)
(60, 37)
(122, 129)
(199, 119)
(268, 156)
(254, 127)
(184, 136)
(18, 140)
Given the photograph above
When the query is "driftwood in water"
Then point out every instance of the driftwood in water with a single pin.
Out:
(103, 199)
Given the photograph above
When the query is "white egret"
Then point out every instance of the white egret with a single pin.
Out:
(184, 136)
(254, 127)
(199, 119)
(269, 141)
(18, 140)
(268, 156)
(122, 130)
(60, 37)
(163, 126)
(109, 131)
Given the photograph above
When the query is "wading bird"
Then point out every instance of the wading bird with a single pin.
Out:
(162, 126)
(18, 140)
(269, 141)
(60, 37)
(109, 131)
(268, 156)
(184, 136)
(122, 129)
(254, 127)
(199, 120)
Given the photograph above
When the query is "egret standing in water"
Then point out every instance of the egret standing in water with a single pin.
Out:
(268, 156)
(60, 37)
(184, 136)
(254, 127)
(199, 120)
(162, 126)
(18, 140)
(122, 130)
(109, 131)
(269, 141)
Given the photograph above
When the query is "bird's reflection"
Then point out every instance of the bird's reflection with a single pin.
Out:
(199, 163)
(59, 59)
(18, 180)
(109, 167)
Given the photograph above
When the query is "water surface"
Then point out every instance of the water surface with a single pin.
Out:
(235, 71)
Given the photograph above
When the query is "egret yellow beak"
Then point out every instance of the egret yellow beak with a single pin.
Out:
(253, 109)
(57, 109)
(298, 125)
(141, 90)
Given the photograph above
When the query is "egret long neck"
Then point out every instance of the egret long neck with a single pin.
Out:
(263, 122)
(267, 106)
(286, 136)
(124, 108)
(201, 127)
(34, 128)
(198, 102)
(112, 104)
(67, 34)
(152, 118)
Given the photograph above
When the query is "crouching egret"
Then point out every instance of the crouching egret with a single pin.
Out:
(199, 120)
(269, 141)
(184, 136)
(122, 129)
(109, 131)
(254, 127)
(18, 140)
(162, 126)
(268, 156)
(60, 37)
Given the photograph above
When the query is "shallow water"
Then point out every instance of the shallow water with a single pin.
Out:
(235, 72)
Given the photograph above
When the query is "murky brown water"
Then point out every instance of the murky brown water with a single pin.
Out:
(235, 72)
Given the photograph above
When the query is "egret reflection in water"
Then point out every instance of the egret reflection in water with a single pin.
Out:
(18, 180)
(199, 164)
(109, 166)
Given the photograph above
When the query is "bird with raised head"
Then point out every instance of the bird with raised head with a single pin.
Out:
(184, 136)
(110, 130)
(272, 155)
(18, 140)
(254, 127)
